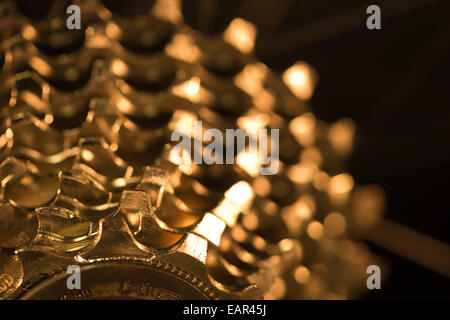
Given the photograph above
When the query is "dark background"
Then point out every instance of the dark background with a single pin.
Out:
(393, 82)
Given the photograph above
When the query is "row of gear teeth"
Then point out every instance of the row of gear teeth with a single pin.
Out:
(86, 157)
(146, 219)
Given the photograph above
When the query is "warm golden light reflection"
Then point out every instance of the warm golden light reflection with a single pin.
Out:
(321, 181)
(302, 173)
(87, 155)
(341, 134)
(249, 161)
(35, 101)
(113, 31)
(270, 207)
(303, 210)
(251, 221)
(183, 122)
(264, 101)
(189, 90)
(244, 255)
(335, 224)
(226, 243)
(341, 183)
(123, 86)
(241, 34)
(262, 186)
(134, 219)
(311, 154)
(26, 180)
(259, 243)
(119, 68)
(125, 105)
(119, 183)
(239, 234)
(41, 66)
(227, 211)
(183, 48)
(301, 274)
(315, 230)
(251, 78)
(240, 193)
(303, 128)
(277, 290)
(169, 10)
(286, 245)
(182, 158)
(296, 214)
(253, 123)
(301, 79)
(29, 32)
(211, 227)
(192, 87)
(339, 188)
(195, 246)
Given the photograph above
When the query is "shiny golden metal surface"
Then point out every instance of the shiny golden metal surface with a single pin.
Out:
(89, 176)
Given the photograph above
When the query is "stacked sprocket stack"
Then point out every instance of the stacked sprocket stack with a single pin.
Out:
(90, 176)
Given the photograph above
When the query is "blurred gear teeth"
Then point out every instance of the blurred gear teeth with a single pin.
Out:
(90, 177)
(41, 144)
(99, 160)
(18, 225)
(84, 195)
(25, 185)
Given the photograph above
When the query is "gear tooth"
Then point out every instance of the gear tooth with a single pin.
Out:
(174, 213)
(160, 178)
(210, 227)
(169, 10)
(29, 97)
(6, 135)
(115, 240)
(25, 185)
(192, 255)
(240, 196)
(11, 167)
(81, 192)
(241, 34)
(102, 120)
(229, 280)
(18, 226)
(301, 79)
(29, 135)
(59, 229)
(146, 228)
(195, 247)
(96, 157)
